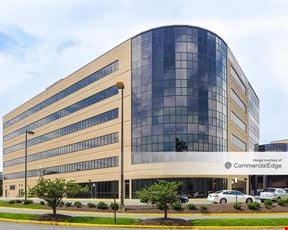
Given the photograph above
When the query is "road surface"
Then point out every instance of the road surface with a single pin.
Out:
(13, 226)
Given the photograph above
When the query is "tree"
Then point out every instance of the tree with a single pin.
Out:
(162, 193)
(53, 191)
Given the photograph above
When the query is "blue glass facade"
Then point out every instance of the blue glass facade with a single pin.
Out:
(273, 147)
(179, 84)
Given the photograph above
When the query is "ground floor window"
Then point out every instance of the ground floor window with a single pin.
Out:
(103, 189)
(194, 187)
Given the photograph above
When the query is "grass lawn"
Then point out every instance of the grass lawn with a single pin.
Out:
(16, 205)
(82, 219)
(101, 220)
(130, 221)
(17, 216)
(241, 222)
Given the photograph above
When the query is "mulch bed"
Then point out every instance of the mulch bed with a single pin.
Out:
(51, 217)
(167, 222)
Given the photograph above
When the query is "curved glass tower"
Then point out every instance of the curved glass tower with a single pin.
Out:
(179, 88)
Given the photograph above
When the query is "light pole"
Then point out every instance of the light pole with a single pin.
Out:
(90, 184)
(236, 180)
(120, 85)
(25, 186)
(94, 189)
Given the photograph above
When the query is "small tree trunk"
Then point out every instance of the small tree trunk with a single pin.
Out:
(54, 210)
(165, 213)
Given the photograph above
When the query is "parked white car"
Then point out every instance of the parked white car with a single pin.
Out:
(229, 196)
(273, 194)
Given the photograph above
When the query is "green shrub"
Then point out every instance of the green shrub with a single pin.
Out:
(68, 204)
(176, 205)
(28, 202)
(114, 206)
(91, 205)
(237, 206)
(102, 205)
(18, 201)
(204, 208)
(61, 203)
(268, 202)
(77, 204)
(42, 202)
(159, 205)
(281, 202)
(11, 201)
(253, 205)
(191, 206)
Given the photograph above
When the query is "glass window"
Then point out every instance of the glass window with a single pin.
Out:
(238, 121)
(238, 142)
(237, 79)
(238, 101)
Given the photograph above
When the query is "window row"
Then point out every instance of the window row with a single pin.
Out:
(238, 101)
(238, 142)
(238, 122)
(166, 138)
(238, 80)
(65, 92)
(66, 111)
(79, 146)
(74, 167)
(84, 124)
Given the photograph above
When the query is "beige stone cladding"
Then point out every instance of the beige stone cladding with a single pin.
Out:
(120, 53)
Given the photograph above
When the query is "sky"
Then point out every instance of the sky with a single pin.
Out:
(43, 41)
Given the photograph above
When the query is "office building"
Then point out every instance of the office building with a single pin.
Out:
(184, 91)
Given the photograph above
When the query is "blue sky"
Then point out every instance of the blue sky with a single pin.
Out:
(43, 41)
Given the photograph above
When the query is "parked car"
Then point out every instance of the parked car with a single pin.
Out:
(273, 194)
(198, 195)
(183, 198)
(229, 196)
(286, 190)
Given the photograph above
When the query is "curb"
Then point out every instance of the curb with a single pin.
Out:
(134, 226)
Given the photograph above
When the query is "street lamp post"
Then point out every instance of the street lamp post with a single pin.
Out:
(120, 85)
(91, 194)
(25, 186)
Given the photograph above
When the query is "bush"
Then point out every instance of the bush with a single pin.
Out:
(11, 201)
(191, 206)
(159, 205)
(61, 203)
(237, 206)
(268, 202)
(114, 206)
(42, 202)
(18, 201)
(281, 202)
(176, 205)
(77, 204)
(28, 202)
(204, 208)
(253, 205)
(102, 205)
(91, 205)
(68, 204)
